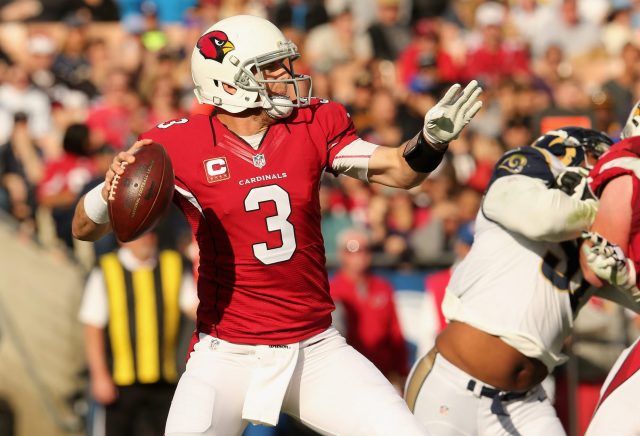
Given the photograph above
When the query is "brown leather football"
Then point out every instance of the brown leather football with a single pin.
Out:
(140, 196)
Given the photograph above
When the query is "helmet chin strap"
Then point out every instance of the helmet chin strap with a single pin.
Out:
(275, 110)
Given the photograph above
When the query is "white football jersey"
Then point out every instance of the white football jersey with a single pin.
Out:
(525, 291)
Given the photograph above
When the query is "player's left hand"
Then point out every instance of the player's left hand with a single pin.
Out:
(444, 121)
(608, 261)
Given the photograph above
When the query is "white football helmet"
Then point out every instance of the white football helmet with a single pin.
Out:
(632, 127)
(232, 51)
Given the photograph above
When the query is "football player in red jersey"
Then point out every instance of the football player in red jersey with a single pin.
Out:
(611, 255)
(247, 179)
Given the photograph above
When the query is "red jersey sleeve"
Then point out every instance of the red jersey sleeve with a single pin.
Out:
(335, 122)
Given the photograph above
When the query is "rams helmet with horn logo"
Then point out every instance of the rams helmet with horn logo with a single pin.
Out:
(571, 144)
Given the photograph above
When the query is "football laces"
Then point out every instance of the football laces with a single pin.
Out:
(114, 183)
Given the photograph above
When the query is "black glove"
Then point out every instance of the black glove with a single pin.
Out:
(574, 182)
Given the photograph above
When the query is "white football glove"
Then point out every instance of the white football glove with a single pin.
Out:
(608, 261)
(444, 121)
(574, 182)
(632, 127)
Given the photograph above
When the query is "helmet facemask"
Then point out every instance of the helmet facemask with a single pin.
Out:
(250, 77)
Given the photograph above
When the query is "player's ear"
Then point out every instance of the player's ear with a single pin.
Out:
(231, 90)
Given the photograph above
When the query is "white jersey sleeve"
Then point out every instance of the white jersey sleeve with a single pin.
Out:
(525, 205)
(94, 309)
(353, 159)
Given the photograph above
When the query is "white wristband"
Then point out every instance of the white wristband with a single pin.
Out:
(95, 206)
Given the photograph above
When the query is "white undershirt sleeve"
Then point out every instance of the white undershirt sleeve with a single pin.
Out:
(526, 206)
(188, 293)
(353, 159)
(94, 309)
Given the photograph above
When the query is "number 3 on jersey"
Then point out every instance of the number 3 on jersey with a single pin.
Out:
(277, 222)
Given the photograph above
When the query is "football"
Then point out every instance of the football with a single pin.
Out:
(140, 196)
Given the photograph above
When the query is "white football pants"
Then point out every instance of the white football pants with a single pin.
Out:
(333, 389)
(439, 395)
(618, 413)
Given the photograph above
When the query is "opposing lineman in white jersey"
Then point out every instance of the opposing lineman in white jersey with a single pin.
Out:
(511, 303)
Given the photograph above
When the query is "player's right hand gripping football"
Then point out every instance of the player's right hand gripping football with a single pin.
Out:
(608, 261)
(444, 121)
(116, 168)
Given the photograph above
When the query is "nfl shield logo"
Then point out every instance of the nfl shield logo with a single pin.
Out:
(259, 160)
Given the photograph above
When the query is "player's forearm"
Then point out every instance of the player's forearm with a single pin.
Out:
(84, 228)
(95, 351)
(526, 206)
(389, 166)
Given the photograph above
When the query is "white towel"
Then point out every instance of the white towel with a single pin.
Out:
(269, 382)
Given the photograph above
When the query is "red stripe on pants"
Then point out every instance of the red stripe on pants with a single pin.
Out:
(630, 366)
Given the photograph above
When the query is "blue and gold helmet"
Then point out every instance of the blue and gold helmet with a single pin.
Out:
(571, 144)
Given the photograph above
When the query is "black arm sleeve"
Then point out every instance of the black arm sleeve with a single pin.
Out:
(421, 156)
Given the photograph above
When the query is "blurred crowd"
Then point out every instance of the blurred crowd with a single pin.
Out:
(81, 79)
(80, 82)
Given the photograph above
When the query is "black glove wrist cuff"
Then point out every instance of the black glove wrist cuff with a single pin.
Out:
(421, 156)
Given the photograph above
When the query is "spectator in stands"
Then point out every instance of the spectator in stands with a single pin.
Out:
(360, 103)
(425, 44)
(163, 102)
(399, 223)
(336, 45)
(21, 169)
(620, 86)
(495, 58)
(335, 219)
(383, 112)
(18, 96)
(433, 242)
(575, 35)
(131, 311)
(617, 31)
(517, 132)
(532, 18)
(370, 317)
(388, 34)
(41, 49)
(110, 119)
(71, 66)
(65, 178)
(303, 15)
(552, 67)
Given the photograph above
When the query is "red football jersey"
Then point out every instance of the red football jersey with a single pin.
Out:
(373, 327)
(68, 173)
(623, 158)
(256, 217)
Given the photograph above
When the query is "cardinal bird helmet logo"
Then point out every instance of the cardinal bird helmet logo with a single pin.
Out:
(214, 45)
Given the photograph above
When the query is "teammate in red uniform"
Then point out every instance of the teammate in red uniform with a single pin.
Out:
(611, 254)
(247, 179)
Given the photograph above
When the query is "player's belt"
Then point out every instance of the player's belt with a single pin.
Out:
(498, 396)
